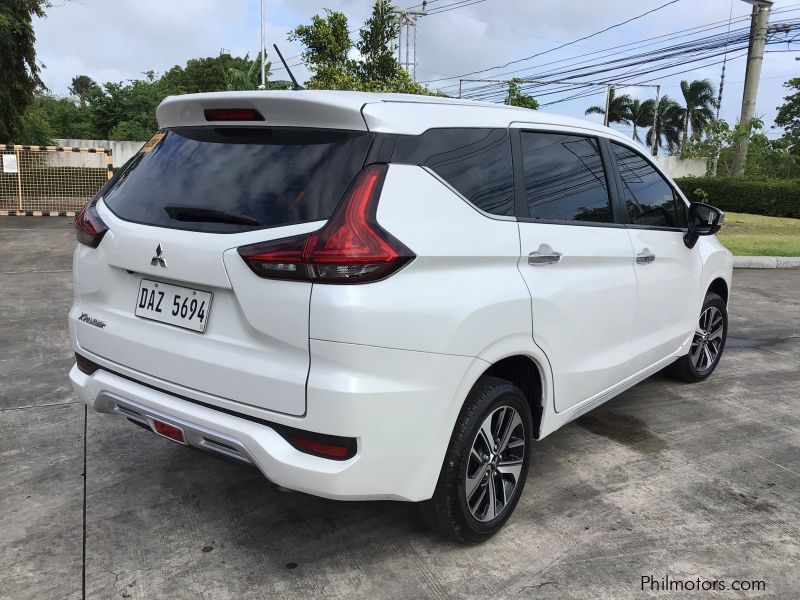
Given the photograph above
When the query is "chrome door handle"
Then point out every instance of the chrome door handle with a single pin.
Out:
(538, 259)
(645, 257)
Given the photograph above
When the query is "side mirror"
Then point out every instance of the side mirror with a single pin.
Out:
(703, 220)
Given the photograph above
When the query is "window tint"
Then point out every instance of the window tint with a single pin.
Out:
(564, 178)
(263, 177)
(649, 199)
(476, 162)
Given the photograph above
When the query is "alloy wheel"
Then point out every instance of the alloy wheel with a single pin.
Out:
(708, 338)
(495, 463)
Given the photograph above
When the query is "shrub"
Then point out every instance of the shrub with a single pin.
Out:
(769, 197)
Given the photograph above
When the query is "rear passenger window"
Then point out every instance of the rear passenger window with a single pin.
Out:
(649, 199)
(476, 162)
(564, 178)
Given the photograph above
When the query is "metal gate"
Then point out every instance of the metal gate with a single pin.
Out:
(50, 180)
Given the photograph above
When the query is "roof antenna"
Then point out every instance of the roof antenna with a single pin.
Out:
(295, 85)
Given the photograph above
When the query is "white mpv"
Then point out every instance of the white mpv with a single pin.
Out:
(378, 296)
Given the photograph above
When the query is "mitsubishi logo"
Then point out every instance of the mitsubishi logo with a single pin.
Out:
(159, 259)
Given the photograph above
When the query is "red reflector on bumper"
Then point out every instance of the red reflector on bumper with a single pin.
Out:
(170, 431)
(85, 365)
(319, 448)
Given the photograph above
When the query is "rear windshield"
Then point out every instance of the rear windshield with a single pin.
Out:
(226, 180)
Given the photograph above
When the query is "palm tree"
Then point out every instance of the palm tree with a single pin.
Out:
(247, 78)
(668, 123)
(639, 117)
(82, 86)
(618, 108)
(700, 98)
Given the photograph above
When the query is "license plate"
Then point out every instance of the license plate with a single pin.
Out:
(173, 304)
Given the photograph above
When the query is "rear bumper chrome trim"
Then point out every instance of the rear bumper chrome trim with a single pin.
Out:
(195, 435)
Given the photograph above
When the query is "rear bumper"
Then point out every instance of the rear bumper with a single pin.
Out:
(400, 406)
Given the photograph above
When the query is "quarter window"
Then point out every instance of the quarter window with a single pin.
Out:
(564, 178)
(476, 162)
(649, 199)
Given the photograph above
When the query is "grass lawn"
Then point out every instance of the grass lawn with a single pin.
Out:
(754, 235)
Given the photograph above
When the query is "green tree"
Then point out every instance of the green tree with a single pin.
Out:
(516, 97)
(326, 44)
(789, 114)
(81, 86)
(127, 110)
(376, 44)
(700, 99)
(668, 124)
(619, 108)
(19, 72)
(249, 77)
(207, 74)
(327, 47)
(766, 158)
(48, 117)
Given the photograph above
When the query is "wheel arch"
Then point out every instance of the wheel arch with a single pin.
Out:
(526, 373)
(720, 287)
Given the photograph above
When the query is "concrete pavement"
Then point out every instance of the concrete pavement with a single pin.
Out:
(669, 479)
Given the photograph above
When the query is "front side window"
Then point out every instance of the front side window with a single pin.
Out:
(476, 162)
(564, 178)
(649, 199)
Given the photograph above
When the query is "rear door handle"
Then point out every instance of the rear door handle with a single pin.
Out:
(645, 257)
(538, 259)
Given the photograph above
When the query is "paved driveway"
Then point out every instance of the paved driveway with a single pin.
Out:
(668, 479)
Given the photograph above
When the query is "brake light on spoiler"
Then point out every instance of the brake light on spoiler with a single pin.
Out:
(350, 248)
(232, 114)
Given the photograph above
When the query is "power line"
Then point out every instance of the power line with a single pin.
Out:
(564, 45)
(633, 45)
(622, 85)
(448, 7)
(684, 53)
(629, 45)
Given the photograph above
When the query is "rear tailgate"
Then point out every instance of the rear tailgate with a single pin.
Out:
(255, 346)
(163, 215)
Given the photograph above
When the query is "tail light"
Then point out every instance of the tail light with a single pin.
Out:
(89, 226)
(351, 248)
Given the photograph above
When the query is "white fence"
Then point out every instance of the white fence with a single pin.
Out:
(120, 151)
(681, 167)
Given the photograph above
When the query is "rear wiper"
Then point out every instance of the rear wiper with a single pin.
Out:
(198, 214)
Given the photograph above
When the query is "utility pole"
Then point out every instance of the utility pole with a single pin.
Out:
(715, 160)
(759, 21)
(263, 85)
(655, 121)
(608, 105)
(408, 21)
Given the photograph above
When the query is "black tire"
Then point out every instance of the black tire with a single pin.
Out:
(448, 512)
(686, 367)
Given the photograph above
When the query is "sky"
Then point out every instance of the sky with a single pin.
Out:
(119, 40)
